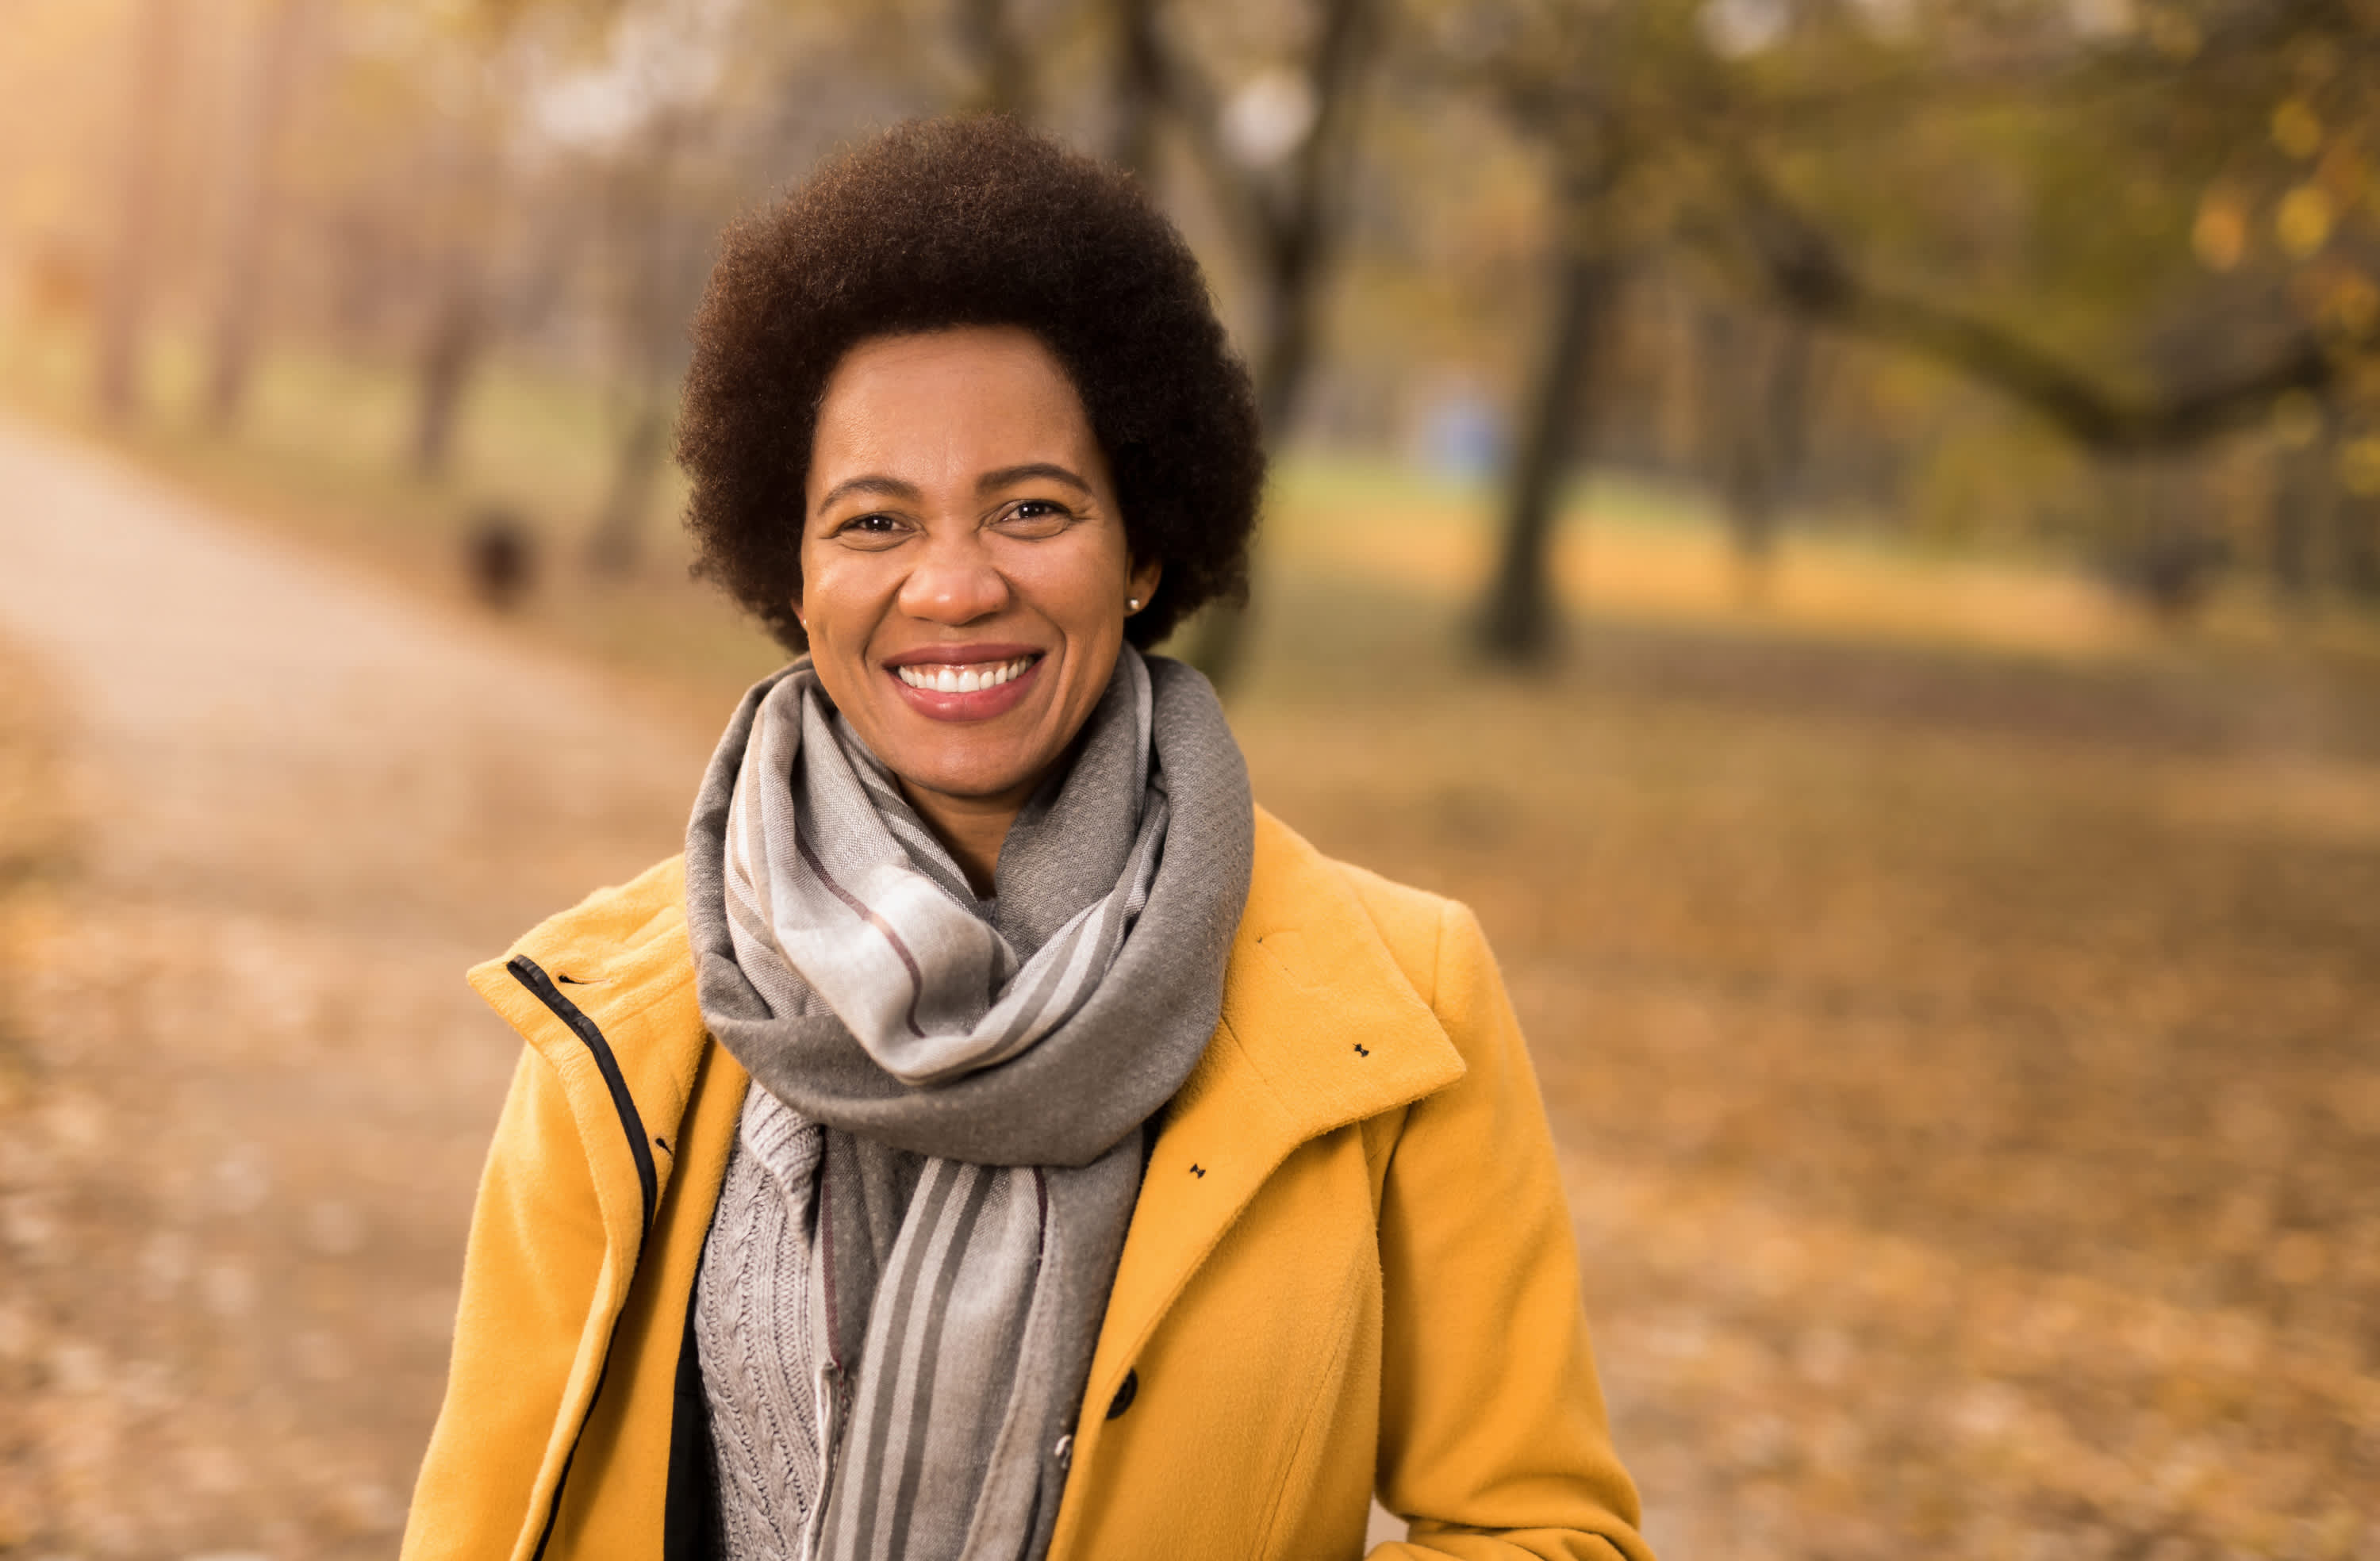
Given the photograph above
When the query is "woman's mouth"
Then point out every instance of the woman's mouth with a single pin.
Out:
(975, 684)
(946, 677)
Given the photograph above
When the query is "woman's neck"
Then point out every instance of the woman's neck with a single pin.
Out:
(971, 829)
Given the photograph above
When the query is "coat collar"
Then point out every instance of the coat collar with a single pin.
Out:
(621, 957)
(604, 993)
(1320, 1029)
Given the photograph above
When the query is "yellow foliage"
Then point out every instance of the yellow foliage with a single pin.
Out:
(2345, 172)
(2220, 234)
(2296, 130)
(2304, 220)
(2350, 301)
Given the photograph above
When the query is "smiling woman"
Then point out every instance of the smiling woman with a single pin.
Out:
(964, 605)
(996, 1137)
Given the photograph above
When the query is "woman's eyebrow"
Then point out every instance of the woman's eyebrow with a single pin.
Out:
(889, 487)
(992, 481)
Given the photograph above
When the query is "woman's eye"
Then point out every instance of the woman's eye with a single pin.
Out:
(867, 528)
(1035, 517)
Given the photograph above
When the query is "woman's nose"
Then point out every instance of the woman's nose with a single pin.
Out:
(955, 582)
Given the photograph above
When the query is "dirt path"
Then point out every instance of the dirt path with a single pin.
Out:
(230, 1235)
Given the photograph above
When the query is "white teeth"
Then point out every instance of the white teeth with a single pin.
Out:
(948, 679)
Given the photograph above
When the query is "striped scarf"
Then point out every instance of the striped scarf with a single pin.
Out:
(929, 1194)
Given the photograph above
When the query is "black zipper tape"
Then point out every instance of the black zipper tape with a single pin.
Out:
(525, 971)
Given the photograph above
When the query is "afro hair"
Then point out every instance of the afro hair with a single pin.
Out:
(947, 223)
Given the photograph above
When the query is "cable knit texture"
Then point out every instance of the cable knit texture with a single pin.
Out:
(767, 1437)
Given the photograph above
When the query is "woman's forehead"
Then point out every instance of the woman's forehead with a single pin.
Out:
(951, 406)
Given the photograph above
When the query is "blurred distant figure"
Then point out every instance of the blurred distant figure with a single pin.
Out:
(2171, 575)
(1463, 437)
(500, 556)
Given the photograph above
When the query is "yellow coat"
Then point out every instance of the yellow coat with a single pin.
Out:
(1350, 1270)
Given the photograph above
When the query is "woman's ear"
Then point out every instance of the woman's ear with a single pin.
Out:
(1140, 588)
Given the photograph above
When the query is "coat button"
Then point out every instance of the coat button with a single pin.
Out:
(1124, 1394)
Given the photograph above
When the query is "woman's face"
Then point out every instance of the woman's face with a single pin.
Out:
(964, 568)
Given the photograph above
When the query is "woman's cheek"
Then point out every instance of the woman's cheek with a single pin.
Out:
(1079, 582)
(836, 588)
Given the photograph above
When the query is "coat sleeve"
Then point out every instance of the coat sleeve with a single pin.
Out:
(529, 1275)
(1493, 1439)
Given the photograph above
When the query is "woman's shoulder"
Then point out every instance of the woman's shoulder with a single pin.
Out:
(1422, 932)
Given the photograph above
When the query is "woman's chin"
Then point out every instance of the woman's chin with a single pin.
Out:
(969, 775)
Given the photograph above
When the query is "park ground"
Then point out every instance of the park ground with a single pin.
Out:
(1958, 1005)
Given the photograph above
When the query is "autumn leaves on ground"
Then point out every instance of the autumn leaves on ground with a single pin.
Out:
(1965, 1061)
(1968, 1075)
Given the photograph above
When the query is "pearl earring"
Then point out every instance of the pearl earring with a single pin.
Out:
(1132, 604)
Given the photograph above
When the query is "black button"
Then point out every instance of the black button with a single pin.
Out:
(1124, 1394)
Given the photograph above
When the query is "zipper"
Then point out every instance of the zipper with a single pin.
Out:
(527, 971)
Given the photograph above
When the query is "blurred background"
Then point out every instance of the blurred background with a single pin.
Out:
(1848, 529)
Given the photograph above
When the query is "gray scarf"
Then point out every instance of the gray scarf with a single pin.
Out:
(928, 1195)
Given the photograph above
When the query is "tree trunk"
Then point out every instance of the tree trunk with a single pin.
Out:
(1138, 89)
(1286, 354)
(1297, 251)
(457, 332)
(2358, 528)
(139, 180)
(251, 211)
(614, 546)
(1763, 374)
(2304, 492)
(2161, 555)
(1517, 623)
(659, 252)
(1285, 358)
(1004, 80)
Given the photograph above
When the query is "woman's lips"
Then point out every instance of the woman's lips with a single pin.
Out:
(963, 687)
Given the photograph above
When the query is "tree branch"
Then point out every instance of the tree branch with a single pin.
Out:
(1806, 272)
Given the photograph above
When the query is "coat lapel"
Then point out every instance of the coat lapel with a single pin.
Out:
(604, 993)
(1320, 1029)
